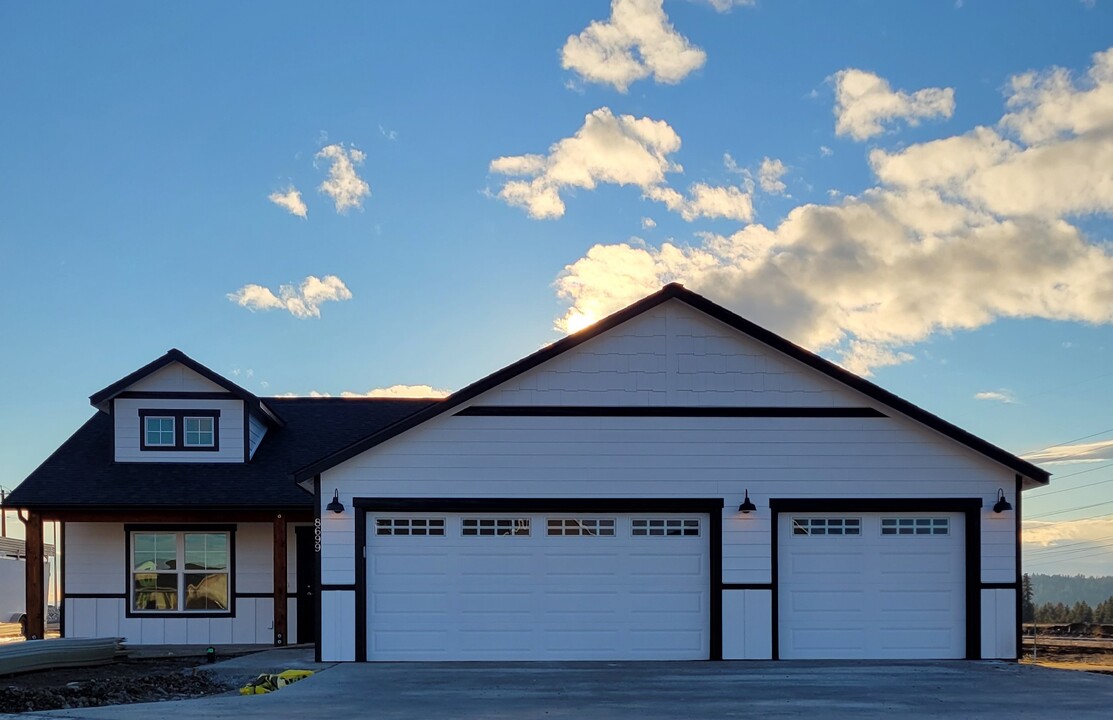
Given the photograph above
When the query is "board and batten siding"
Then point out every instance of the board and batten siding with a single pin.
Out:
(674, 355)
(125, 415)
(96, 565)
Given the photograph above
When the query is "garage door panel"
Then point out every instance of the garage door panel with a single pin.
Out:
(539, 596)
(875, 594)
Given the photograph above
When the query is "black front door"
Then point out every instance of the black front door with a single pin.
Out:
(307, 584)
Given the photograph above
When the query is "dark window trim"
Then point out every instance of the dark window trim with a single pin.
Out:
(712, 507)
(179, 417)
(971, 509)
(129, 528)
(668, 411)
(96, 596)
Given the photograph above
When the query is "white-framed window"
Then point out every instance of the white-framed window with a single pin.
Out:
(409, 526)
(826, 526)
(495, 526)
(180, 571)
(666, 527)
(916, 526)
(199, 431)
(158, 431)
(593, 527)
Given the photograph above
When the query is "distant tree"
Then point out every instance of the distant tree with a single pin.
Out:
(1028, 605)
(1081, 612)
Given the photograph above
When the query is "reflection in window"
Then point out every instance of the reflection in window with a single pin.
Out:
(180, 571)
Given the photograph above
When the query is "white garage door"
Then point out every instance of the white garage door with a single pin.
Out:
(554, 586)
(871, 585)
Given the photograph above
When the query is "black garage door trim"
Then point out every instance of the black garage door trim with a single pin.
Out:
(971, 507)
(712, 507)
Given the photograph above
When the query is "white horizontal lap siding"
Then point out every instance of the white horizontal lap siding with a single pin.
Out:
(672, 355)
(97, 564)
(128, 429)
(175, 377)
(256, 430)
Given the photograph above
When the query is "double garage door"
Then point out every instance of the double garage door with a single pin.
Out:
(537, 586)
(620, 586)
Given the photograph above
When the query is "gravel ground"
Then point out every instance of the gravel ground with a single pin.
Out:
(127, 681)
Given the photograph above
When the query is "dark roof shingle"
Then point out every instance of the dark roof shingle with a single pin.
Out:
(82, 472)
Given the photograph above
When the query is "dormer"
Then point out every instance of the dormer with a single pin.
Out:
(176, 410)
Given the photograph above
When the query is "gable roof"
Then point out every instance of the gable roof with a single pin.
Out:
(676, 291)
(82, 471)
(174, 355)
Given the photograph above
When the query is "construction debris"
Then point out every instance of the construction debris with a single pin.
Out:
(273, 681)
(59, 653)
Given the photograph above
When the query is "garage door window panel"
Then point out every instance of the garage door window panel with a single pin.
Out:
(825, 526)
(491, 527)
(915, 526)
(409, 526)
(587, 527)
(666, 527)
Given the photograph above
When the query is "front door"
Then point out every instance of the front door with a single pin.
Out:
(307, 586)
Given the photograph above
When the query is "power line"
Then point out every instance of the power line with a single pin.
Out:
(1067, 545)
(1068, 442)
(1060, 512)
(1076, 487)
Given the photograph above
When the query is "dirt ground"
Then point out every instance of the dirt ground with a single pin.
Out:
(1095, 660)
(125, 681)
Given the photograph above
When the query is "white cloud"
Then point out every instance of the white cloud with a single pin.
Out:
(960, 232)
(648, 223)
(723, 6)
(1078, 452)
(769, 176)
(391, 135)
(301, 301)
(344, 185)
(1002, 396)
(1046, 534)
(864, 102)
(401, 391)
(637, 41)
(290, 201)
(619, 150)
(709, 201)
(825, 151)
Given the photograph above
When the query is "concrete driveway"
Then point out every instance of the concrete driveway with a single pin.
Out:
(666, 690)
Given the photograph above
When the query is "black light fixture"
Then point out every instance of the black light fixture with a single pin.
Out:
(747, 505)
(1002, 504)
(335, 506)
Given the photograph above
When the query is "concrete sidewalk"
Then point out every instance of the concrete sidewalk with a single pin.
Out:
(648, 691)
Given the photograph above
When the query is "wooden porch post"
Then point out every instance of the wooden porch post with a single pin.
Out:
(34, 583)
(280, 632)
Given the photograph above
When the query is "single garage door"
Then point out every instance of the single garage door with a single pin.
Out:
(871, 585)
(555, 586)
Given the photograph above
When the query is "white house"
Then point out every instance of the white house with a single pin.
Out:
(673, 482)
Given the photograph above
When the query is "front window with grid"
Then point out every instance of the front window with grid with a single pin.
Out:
(199, 432)
(495, 526)
(915, 526)
(159, 431)
(594, 527)
(409, 526)
(180, 572)
(826, 526)
(666, 526)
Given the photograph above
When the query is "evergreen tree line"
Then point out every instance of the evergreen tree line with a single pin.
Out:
(1079, 612)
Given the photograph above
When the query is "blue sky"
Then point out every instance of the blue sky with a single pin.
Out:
(921, 191)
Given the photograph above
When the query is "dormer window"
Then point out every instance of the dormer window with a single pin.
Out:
(200, 431)
(159, 431)
(179, 429)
